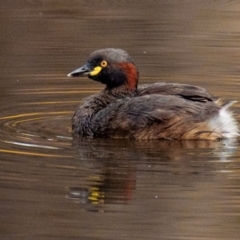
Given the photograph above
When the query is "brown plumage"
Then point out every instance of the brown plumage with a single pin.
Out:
(151, 111)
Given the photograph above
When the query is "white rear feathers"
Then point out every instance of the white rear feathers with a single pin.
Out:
(224, 123)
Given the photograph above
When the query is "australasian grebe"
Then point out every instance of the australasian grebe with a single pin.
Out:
(151, 111)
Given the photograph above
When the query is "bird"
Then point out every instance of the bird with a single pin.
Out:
(126, 110)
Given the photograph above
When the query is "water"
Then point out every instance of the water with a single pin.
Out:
(54, 186)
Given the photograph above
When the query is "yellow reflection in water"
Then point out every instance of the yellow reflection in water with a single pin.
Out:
(52, 102)
(34, 153)
(54, 91)
(34, 114)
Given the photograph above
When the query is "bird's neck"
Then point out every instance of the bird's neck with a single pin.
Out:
(120, 92)
(123, 80)
(132, 75)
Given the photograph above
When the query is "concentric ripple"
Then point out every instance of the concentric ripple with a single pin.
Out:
(39, 131)
(40, 124)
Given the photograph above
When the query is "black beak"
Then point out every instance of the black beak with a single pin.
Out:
(84, 70)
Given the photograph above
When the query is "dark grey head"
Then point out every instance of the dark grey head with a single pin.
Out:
(111, 55)
(110, 66)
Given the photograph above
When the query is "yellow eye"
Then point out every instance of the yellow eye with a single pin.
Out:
(104, 63)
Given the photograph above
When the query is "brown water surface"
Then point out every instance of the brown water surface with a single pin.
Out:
(54, 186)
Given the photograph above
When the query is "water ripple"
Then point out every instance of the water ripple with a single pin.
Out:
(34, 133)
(36, 123)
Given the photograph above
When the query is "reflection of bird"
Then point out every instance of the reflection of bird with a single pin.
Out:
(152, 111)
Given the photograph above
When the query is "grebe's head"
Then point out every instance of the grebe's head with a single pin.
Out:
(112, 67)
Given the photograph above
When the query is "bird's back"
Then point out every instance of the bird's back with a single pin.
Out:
(189, 92)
